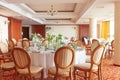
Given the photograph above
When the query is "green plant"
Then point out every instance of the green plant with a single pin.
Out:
(36, 37)
(50, 37)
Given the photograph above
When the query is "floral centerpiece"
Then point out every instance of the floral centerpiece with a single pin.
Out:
(59, 39)
(50, 38)
(36, 37)
(54, 41)
(36, 40)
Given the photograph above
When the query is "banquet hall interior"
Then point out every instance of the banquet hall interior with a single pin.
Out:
(59, 39)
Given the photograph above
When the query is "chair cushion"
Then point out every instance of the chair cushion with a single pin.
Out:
(86, 66)
(33, 69)
(61, 72)
(7, 65)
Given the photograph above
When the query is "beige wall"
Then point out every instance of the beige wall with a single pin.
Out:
(66, 30)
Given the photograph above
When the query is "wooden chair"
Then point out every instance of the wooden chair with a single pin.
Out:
(63, 59)
(25, 44)
(95, 44)
(14, 40)
(25, 38)
(78, 43)
(23, 64)
(87, 45)
(92, 67)
(44, 42)
(111, 50)
(7, 65)
(72, 39)
(11, 45)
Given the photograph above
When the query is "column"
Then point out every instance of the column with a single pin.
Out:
(116, 57)
(93, 28)
(98, 29)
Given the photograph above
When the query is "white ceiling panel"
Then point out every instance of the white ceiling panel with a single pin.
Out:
(74, 11)
(46, 1)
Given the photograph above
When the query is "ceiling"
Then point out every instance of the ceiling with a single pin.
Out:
(67, 11)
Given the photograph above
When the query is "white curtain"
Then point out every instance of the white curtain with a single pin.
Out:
(3, 29)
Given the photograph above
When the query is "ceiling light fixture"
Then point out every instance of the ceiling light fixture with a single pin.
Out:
(52, 11)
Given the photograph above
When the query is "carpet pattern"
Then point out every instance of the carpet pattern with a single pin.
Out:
(109, 71)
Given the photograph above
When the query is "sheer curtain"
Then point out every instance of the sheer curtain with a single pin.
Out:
(3, 29)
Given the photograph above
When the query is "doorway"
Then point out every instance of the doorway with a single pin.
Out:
(25, 31)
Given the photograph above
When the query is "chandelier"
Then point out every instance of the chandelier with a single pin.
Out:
(52, 12)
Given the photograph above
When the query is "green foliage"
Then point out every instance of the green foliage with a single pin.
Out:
(36, 37)
(50, 37)
(59, 37)
(74, 45)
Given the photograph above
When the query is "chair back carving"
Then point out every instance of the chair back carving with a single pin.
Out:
(64, 57)
(21, 58)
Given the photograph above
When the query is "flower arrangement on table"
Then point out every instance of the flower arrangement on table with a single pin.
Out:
(36, 40)
(54, 41)
(50, 38)
(36, 37)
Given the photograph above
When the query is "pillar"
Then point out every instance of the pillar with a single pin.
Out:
(116, 57)
(93, 28)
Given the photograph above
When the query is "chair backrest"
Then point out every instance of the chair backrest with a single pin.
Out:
(14, 40)
(85, 41)
(25, 44)
(11, 44)
(25, 38)
(78, 43)
(44, 42)
(98, 55)
(3, 47)
(21, 58)
(73, 39)
(112, 44)
(4, 50)
(95, 44)
(64, 57)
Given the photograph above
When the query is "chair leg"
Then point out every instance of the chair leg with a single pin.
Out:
(74, 74)
(42, 75)
(71, 75)
(100, 74)
(85, 75)
(90, 75)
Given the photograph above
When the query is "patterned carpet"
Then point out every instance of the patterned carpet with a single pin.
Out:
(109, 71)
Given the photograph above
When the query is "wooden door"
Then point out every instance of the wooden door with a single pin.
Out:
(83, 31)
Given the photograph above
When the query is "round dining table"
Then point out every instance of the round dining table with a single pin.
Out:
(45, 59)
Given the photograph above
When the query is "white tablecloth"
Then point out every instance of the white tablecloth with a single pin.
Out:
(45, 59)
(80, 56)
